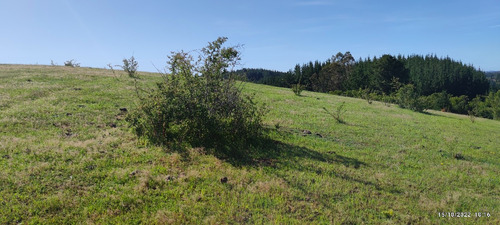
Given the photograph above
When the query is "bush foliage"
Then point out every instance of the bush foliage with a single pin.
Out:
(130, 66)
(408, 98)
(297, 89)
(198, 104)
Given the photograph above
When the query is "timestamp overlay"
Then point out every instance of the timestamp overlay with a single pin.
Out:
(464, 214)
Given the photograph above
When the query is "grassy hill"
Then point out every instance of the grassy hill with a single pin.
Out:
(68, 156)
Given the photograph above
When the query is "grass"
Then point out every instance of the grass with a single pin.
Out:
(67, 156)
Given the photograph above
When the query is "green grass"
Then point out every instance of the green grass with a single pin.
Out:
(68, 156)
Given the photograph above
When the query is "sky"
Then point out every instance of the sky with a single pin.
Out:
(275, 35)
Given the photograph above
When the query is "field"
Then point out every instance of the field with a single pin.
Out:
(68, 156)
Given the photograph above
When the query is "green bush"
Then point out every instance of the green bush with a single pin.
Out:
(338, 114)
(198, 105)
(459, 104)
(408, 98)
(439, 101)
(478, 107)
(297, 89)
(493, 100)
(336, 92)
(130, 66)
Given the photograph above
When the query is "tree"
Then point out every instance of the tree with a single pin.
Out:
(385, 69)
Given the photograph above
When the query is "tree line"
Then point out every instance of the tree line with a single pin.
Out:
(433, 82)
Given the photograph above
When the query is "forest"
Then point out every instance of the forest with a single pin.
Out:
(428, 82)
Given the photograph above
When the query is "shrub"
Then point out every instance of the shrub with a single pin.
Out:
(297, 89)
(439, 101)
(408, 98)
(338, 114)
(130, 66)
(336, 92)
(480, 108)
(196, 106)
(459, 104)
(71, 63)
(493, 100)
(367, 94)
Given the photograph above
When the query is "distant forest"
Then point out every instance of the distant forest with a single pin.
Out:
(384, 76)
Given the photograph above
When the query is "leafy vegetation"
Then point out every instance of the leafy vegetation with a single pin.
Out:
(297, 89)
(130, 66)
(195, 104)
(67, 156)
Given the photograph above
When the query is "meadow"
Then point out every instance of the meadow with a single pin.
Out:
(68, 156)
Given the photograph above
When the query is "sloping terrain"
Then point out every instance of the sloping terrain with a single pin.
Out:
(68, 156)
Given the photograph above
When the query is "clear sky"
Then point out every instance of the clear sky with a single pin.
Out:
(275, 34)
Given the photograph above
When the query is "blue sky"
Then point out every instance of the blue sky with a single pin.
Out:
(275, 34)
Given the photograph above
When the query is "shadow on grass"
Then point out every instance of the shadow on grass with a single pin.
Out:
(265, 152)
(280, 157)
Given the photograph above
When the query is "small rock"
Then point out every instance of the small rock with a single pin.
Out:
(306, 132)
(113, 125)
(123, 110)
(69, 114)
(29, 80)
(223, 180)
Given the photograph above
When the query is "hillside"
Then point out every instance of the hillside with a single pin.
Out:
(68, 156)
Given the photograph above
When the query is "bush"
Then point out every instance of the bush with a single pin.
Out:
(408, 98)
(195, 106)
(368, 95)
(338, 114)
(439, 101)
(71, 63)
(336, 92)
(297, 89)
(493, 100)
(478, 107)
(130, 66)
(459, 104)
